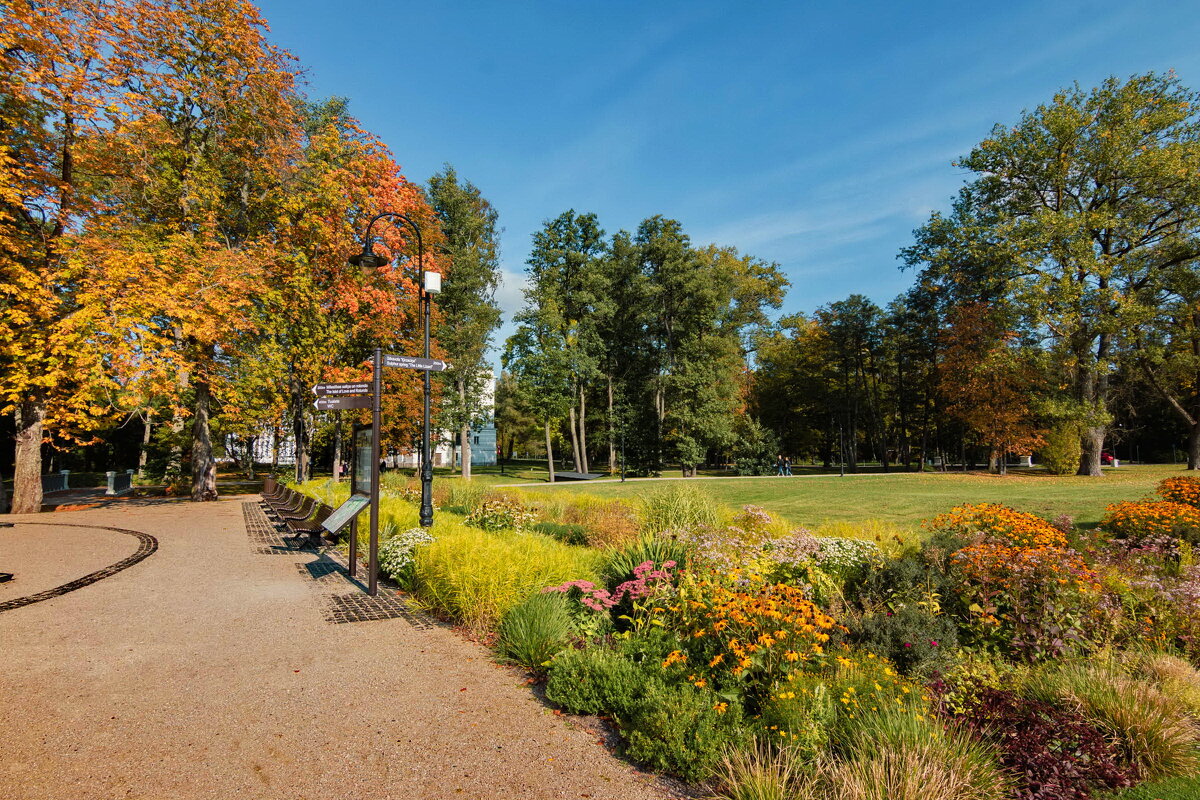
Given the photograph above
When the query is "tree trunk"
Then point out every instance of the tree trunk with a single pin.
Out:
(300, 431)
(575, 441)
(1193, 456)
(204, 466)
(583, 430)
(3, 496)
(464, 433)
(249, 442)
(175, 457)
(144, 452)
(27, 473)
(549, 452)
(337, 445)
(464, 436)
(612, 437)
(1093, 446)
(274, 449)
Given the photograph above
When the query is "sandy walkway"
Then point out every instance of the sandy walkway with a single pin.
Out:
(210, 670)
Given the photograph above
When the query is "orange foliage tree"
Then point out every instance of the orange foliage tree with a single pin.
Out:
(988, 383)
(58, 92)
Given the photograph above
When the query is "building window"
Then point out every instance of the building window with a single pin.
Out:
(476, 440)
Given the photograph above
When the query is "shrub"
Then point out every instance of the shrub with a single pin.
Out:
(908, 580)
(562, 531)
(501, 512)
(464, 497)
(620, 564)
(899, 756)
(1152, 731)
(682, 730)
(531, 633)
(1055, 752)
(605, 523)
(910, 637)
(1180, 489)
(595, 680)
(999, 522)
(743, 640)
(1062, 450)
(475, 576)
(398, 552)
(1152, 519)
(847, 560)
(888, 536)
(799, 716)
(678, 506)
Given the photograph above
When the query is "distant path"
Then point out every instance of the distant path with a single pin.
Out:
(706, 478)
(229, 667)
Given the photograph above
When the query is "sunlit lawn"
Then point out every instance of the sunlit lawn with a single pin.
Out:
(906, 498)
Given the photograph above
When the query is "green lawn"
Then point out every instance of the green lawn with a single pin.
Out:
(1175, 789)
(906, 498)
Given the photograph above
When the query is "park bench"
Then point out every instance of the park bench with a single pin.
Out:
(577, 476)
(308, 532)
(280, 494)
(302, 512)
(290, 502)
(286, 498)
(288, 505)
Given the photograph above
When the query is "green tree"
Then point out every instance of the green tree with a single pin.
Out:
(1074, 211)
(469, 313)
(561, 301)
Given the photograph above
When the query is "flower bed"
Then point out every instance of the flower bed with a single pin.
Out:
(728, 647)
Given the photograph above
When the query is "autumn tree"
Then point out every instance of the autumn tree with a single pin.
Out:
(58, 72)
(467, 302)
(989, 383)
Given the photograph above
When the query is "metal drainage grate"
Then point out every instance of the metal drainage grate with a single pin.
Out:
(264, 536)
(364, 608)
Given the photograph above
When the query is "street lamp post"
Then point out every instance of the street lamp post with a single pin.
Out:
(367, 258)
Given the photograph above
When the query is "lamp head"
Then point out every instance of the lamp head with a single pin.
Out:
(367, 258)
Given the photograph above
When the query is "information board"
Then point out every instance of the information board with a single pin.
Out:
(345, 512)
(362, 461)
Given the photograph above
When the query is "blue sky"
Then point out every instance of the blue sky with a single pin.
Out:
(815, 135)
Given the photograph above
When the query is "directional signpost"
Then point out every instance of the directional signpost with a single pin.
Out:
(336, 396)
(338, 403)
(340, 389)
(412, 362)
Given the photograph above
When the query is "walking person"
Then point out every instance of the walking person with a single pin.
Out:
(778, 465)
(787, 465)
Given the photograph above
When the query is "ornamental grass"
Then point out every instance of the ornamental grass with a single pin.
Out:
(475, 576)
(761, 772)
(1151, 729)
(899, 756)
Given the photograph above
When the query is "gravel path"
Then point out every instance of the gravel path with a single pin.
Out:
(214, 669)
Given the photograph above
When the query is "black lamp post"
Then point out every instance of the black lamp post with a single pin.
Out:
(367, 258)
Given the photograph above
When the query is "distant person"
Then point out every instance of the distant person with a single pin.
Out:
(778, 465)
(787, 465)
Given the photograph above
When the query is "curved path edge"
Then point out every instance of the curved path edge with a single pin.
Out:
(147, 544)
